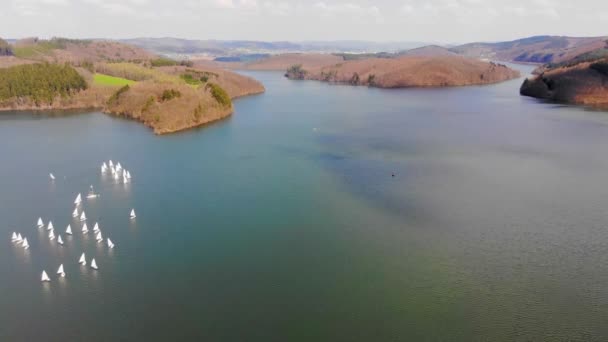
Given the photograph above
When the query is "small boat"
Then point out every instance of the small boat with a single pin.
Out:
(116, 175)
(93, 264)
(51, 235)
(96, 227)
(60, 271)
(25, 244)
(128, 175)
(78, 199)
(45, 277)
(14, 236)
(19, 238)
(50, 226)
(125, 179)
(99, 237)
(92, 193)
(118, 166)
(110, 243)
(85, 229)
(104, 165)
(40, 223)
(51, 176)
(59, 240)
(111, 164)
(82, 260)
(75, 213)
(68, 230)
(83, 216)
(132, 214)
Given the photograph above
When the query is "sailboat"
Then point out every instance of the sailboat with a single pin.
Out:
(125, 179)
(45, 277)
(110, 243)
(60, 271)
(51, 176)
(93, 264)
(25, 244)
(50, 226)
(96, 227)
(75, 213)
(85, 229)
(128, 175)
(78, 199)
(19, 238)
(51, 235)
(99, 237)
(82, 260)
(40, 223)
(133, 214)
(92, 193)
(14, 237)
(68, 230)
(104, 165)
(118, 166)
(111, 164)
(83, 217)
(59, 240)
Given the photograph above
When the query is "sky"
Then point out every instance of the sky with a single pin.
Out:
(438, 21)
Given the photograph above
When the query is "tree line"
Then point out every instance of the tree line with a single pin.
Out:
(40, 82)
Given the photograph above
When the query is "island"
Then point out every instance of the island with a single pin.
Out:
(118, 79)
(407, 71)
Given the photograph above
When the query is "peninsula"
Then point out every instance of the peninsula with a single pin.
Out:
(119, 79)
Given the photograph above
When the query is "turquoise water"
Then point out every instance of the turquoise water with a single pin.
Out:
(285, 223)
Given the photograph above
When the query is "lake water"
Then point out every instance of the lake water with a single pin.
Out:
(284, 222)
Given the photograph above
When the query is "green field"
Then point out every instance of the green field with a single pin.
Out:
(106, 80)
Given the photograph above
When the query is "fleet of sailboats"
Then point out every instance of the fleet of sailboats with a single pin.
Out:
(118, 172)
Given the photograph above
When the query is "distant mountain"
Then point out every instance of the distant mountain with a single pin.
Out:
(228, 48)
(428, 51)
(538, 49)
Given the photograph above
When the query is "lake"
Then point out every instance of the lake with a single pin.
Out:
(315, 213)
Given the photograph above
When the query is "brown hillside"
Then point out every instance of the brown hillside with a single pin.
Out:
(411, 71)
(428, 51)
(584, 83)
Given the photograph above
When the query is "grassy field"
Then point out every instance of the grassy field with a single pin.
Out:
(106, 80)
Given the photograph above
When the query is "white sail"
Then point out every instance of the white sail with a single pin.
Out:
(133, 214)
(59, 240)
(14, 236)
(83, 216)
(82, 260)
(19, 237)
(75, 212)
(96, 227)
(45, 277)
(93, 264)
(50, 226)
(128, 174)
(25, 244)
(125, 179)
(103, 169)
(61, 271)
(85, 229)
(78, 199)
(51, 235)
(51, 176)
(104, 165)
(68, 230)
(99, 237)
(111, 164)
(118, 166)
(40, 223)
(110, 243)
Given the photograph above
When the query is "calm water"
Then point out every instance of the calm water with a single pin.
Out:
(283, 223)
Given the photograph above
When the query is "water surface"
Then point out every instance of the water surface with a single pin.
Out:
(285, 222)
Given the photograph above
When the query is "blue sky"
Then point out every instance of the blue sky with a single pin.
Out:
(440, 21)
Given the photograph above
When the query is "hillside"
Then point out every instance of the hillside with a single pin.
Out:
(428, 51)
(62, 50)
(408, 71)
(539, 49)
(169, 98)
(578, 82)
